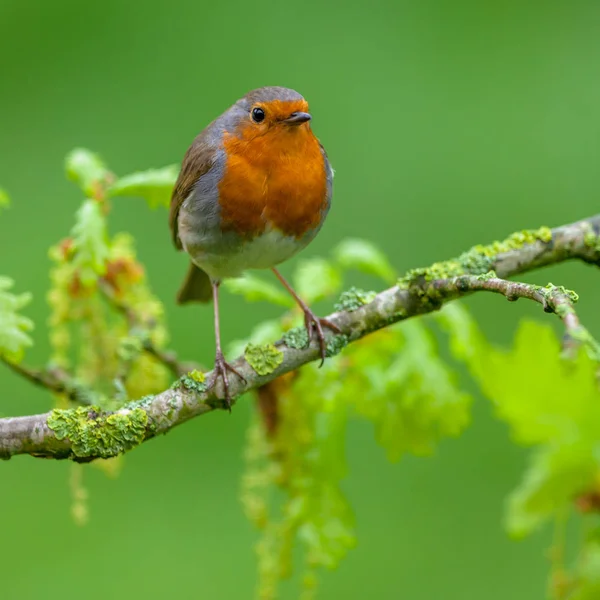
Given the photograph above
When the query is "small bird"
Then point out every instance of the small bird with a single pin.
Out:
(254, 189)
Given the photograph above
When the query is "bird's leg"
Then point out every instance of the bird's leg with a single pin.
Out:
(221, 365)
(311, 321)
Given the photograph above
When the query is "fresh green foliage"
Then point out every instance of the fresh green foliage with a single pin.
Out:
(549, 402)
(255, 289)
(154, 185)
(407, 391)
(305, 459)
(317, 279)
(553, 404)
(466, 340)
(585, 582)
(105, 319)
(90, 242)
(88, 171)
(4, 199)
(364, 256)
(103, 313)
(13, 326)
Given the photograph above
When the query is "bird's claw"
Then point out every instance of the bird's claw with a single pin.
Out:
(315, 324)
(220, 370)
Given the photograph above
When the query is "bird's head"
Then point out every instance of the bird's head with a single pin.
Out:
(271, 110)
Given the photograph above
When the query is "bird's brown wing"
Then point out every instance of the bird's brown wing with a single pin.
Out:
(329, 174)
(196, 162)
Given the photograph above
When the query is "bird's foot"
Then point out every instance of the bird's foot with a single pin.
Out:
(220, 370)
(316, 324)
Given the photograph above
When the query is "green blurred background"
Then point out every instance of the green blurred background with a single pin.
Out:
(448, 124)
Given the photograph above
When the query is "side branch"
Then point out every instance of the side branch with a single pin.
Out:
(554, 299)
(86, 433)
(167, 357)
(53, 380)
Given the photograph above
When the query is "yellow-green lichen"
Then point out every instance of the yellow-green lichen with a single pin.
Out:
(197, 376)
(336, 344)
(552, 304)
(264, 359)
(591, 240)
(296, 338)
(94, 433)
(487, 276)
(193, 381)
(476, 261)
(551, 289)
(143, 403)
(354, 298)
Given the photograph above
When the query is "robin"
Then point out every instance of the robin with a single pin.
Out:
(254, 189)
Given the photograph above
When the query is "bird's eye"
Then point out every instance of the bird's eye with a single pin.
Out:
(258, 115)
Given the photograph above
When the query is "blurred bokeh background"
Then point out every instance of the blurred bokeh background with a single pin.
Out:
(448, 124)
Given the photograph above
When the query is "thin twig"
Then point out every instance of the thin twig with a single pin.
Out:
(167, 357)
(554, 299)
(54, 381)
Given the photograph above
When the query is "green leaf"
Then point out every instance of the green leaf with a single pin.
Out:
(467, 343)
(13, 326)
(255, 289)
(556, 473)
(316, 279)
(364, 256)
(425, 402)
(587, 574)
(90, 242)
(310, 450)
(544, 397)
(550, 402)
(408, 392)
(87, 169)
(4, 199)
(154, 185)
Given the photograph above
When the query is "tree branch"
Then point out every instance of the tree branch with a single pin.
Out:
(554, 299)
(86, 433)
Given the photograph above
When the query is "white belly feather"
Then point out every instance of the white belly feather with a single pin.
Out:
(263, 252)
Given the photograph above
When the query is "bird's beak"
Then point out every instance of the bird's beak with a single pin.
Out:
(297, 118)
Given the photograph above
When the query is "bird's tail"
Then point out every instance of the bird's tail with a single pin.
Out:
(196, 287)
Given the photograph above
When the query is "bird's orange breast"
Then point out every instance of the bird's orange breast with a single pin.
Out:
(276, 179)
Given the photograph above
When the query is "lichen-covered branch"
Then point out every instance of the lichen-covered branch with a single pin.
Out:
(85, 433)
(554, 299)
